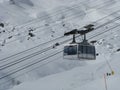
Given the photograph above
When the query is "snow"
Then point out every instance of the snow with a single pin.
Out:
(79, 78)
(45, 20)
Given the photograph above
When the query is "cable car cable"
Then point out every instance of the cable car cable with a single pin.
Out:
(61, 51)
(96, 35)
(43, 43)
(25, 58)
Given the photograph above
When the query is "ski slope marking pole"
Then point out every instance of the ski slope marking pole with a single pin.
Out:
(105, 82)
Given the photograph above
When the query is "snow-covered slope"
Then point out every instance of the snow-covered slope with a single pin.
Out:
(88, 77)
(25, 10)
(48, 20)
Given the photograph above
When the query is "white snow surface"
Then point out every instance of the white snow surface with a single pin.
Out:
(46, 18)
(87, 77)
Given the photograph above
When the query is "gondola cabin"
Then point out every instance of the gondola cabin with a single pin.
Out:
(80, 51)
